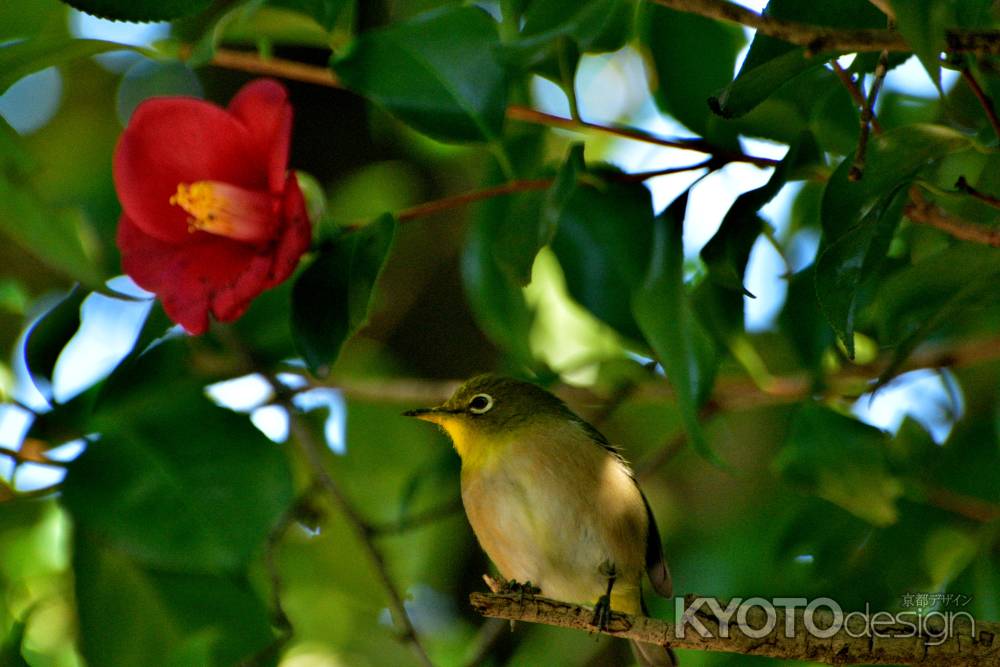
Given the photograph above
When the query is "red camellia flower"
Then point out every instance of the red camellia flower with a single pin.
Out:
(210, 217)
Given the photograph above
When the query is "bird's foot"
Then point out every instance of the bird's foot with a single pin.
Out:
(520, 589)
(602, 613)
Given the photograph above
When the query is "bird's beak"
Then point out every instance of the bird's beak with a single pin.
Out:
(433, 415)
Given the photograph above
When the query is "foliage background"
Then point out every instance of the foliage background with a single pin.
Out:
(156, 544)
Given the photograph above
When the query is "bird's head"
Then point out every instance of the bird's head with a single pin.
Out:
(487, 410)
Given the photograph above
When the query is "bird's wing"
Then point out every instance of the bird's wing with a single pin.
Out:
(656, 564)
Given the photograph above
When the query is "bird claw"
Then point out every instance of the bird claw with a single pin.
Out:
(522, 590)
(602, 613)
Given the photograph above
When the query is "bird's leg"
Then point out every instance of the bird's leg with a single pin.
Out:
(602, 610)
(513, 586)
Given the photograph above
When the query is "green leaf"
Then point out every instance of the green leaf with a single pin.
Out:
(844, 265)
(187, 486)
(571, 26)
(663, 312)
(923, 25)
(325, 12)
(438, 72)
(139, 11)
(133, 614)
(602, 240)
(753, 87)
(684, 79)
(803, 322)
(331, 300)
(10, 647)
(919, 300)
(727, 252)
(19, 59)
(50, 334)
(494, 290)
(841, 460)
(54, 237)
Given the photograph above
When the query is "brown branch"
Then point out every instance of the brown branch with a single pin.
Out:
(817, 38)
(792, 637)
(20, 457)
(312, 451)
(983, 98)
(867, 117)
(455, 201)
(528, 115)
(854, 92)
(921, 211)
(963, 185)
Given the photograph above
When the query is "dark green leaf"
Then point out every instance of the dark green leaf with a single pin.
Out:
(325, 12)
(602, 240)
(10, 647)
(914, 303)
(50, 334)
(727, 252)
(438, 72)
(753, 87)
(139, 10)
(676, 44)
(332, 298)
(664, 314)
(844, 265)
(20, 59)
(841, 460)
(186, 487)
(493, 290)
(923, 24)
(133, 614)
(803, 322)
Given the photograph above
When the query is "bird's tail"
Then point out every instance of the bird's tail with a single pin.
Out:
(653, 655)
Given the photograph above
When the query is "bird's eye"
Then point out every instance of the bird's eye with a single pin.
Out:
(480, 403)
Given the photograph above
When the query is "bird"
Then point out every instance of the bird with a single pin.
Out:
(553, 504)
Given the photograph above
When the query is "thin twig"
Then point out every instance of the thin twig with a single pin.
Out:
(926, 213)
(854, 92)
(984, 100)
(821, 38)
(313, 454)
(867, 116)
(19, 457)
(791, 634)
(989, 200)
(416, 520)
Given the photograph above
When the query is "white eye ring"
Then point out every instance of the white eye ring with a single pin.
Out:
(480, 404)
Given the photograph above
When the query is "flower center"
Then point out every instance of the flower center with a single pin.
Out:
(226, 210)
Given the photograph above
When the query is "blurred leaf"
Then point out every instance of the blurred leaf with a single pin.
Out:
(19, 59)
(663, 312)
(727, 252)
(676, 44)
(10, 647)
(438, 72)
(139, 11)
(493, 290)
(331, 300)
(803, 322)
(859, 217)
(917, 301)
(133, 614)
(603, 239)
(923, 25)
(555, 33)
(325, 12)
(841, 460)
(844, 265)
(50, 334)
(170, 487)
(52, 236)
(753, 87)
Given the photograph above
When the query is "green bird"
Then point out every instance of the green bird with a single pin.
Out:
(551, 501)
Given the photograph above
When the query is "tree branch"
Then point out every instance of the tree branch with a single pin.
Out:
(961, 649)
(984, 100)
(313, 455)
(817, 38)
(868, 116)
(854, 92)
(921, 211)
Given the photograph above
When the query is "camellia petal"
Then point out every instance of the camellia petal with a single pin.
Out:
(263, 107)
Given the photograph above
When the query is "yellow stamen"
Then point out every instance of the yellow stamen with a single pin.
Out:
(226, 210)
